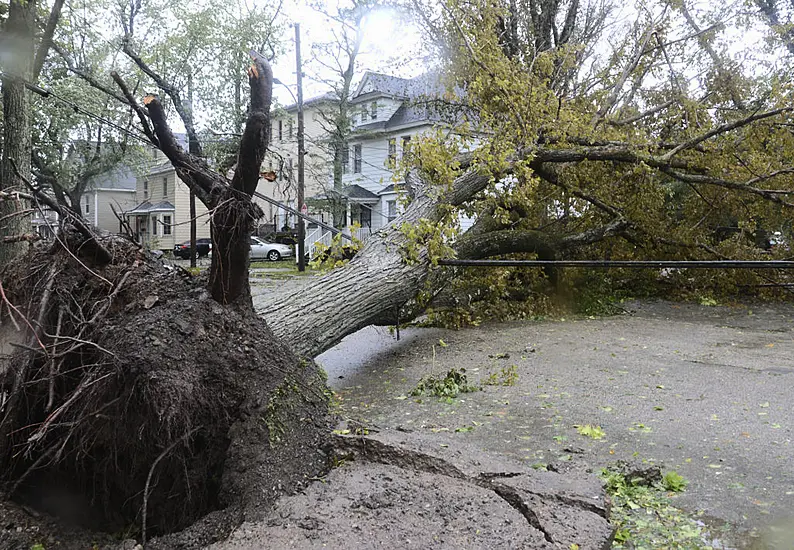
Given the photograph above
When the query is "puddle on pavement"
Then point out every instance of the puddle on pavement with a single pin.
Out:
(359, 352)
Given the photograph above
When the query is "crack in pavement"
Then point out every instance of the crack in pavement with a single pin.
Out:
(511, 496)
(382, 452)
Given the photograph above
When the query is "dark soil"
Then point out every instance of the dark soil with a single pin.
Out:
(142, 403)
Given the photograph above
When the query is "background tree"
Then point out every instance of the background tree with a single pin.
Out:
(337, 65)
(22, 60)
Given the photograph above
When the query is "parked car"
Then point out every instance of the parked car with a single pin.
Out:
(203, 247)
(778, 241)
(280, 237)
(261, 249)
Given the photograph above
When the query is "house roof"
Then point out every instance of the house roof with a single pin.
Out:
(419, 99)
(328, 96)
(388, 189)
(354, 193)
(377, 84)
(147, 207)
(159, 168)
(121, 178)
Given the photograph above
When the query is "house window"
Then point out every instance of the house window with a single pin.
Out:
(165, 187)
(87, 205)
(357, 159)
(363, 115)
(154, 225)
(289, 128)
(280, 130)
(365, 216)
(345, 160)
(391, 210)
(406, 145)
(145, 189)
(373, 110)
(166, 225)
(391, 161)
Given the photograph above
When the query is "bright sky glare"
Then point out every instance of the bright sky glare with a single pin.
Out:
(391, 44)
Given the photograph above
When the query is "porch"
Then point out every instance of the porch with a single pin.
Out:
(152, 224)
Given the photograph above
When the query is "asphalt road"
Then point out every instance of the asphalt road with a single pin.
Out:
(706, 391)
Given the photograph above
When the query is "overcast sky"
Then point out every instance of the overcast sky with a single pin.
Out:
(390, 45)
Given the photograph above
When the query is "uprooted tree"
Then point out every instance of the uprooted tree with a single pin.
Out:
(121, 383)
(145, 391)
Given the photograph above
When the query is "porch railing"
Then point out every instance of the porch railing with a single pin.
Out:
(319, 236)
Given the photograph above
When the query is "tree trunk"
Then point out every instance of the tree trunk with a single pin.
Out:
(234, 214)
(374, 285)
(232, 225)
(17, 58)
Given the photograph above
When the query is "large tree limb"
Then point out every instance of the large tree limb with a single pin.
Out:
(770, 195)
(722, 129)
(256, 135)
(168, 89)
(129, 99)
(317, 317)
(46, 39)
(193, 170)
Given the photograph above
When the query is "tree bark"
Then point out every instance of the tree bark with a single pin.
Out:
(234, 215)
(17, 46)
(376, 283)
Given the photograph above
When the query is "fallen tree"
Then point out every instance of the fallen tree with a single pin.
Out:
(103, 342)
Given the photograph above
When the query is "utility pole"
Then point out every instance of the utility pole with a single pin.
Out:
(301, 154)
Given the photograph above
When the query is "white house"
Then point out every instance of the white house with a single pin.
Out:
(281, 159)
(112, 190)
(388, 114)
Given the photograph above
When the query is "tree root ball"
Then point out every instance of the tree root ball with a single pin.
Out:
(142, 400)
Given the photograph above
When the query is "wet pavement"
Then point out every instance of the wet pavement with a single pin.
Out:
(706, 391)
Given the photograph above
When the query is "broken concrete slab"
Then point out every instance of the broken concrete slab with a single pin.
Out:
(395, 492)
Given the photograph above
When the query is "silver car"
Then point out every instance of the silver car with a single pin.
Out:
(261, 250)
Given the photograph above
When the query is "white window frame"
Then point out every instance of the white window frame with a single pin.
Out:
(358, 158)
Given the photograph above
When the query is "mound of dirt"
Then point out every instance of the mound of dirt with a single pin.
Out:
(134, 403)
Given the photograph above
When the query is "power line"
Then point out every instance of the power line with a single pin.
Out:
(47, 94)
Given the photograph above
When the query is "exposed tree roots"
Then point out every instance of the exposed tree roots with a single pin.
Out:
(126, 387)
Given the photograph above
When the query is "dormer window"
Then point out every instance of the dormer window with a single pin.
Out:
(373, 110)
(363, 115)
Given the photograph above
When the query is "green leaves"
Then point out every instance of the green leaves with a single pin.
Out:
(674, 482)
(452, 384)
(643, 514)
(593, 432)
